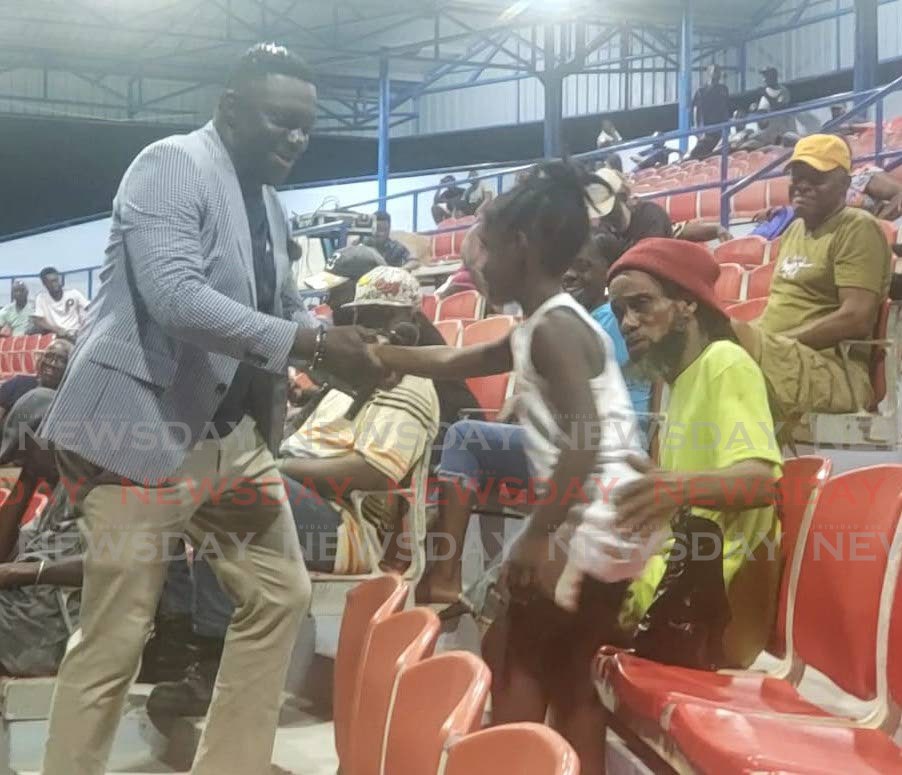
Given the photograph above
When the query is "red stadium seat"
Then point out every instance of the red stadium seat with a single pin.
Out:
(6, 344)
(862, 603)
(750, 200)
(466, 304)
(437, 699)
(641, 690)
(524, 749)
(458, 237)
(400, 641)
(759, 281)
(747, 311)
(683, 207)
(366, 605)
(878, 357)
(778, 192)
(443, 241)
(45, 340)
(36, 506)
(890, 230)
(729, 284)
(745, 251)
(451, 331)
(488, 329)
(709, 204)
(773, 250)
(490, 392)
(428, 304)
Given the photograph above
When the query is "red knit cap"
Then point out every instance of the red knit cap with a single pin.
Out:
(686, 264)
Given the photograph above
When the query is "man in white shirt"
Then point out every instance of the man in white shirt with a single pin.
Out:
(58, 310)
(15, 318)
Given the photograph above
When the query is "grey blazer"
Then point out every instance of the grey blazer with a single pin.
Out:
(175, 313)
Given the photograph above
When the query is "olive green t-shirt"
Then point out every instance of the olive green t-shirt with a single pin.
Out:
(849, 250)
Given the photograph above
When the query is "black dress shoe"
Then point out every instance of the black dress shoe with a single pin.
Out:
(188, 697)
(169, 651)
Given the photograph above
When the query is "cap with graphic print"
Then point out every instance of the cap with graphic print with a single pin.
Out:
(386, 286)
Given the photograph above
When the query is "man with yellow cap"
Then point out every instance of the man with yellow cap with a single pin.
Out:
(831, 277)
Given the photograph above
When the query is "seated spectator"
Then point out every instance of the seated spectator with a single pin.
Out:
(779, 130)
(608, 135)
(662, 292)
(587, 281)
(476, 195)
(16, 318)
(870, 188)
(628, 219)
(40, 560)
(58, 310)
(710, 105)
(394, 253)
(448, 201)
(656, 155)
(832, 275)
(343, 269)
(51, 366)
(322, 463)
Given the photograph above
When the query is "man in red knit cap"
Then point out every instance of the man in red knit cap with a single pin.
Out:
(718, 455)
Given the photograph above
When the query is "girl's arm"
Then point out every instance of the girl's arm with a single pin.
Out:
(478, 360)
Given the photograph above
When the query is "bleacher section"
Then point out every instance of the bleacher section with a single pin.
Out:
(19, 354)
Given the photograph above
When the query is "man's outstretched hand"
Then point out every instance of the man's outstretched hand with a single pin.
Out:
(347, 354)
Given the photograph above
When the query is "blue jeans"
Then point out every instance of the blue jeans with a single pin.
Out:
(476, 452)
(197, 591)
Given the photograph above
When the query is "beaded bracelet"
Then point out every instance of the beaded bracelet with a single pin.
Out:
(319, 348)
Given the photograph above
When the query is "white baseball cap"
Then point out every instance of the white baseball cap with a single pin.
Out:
(386, 286)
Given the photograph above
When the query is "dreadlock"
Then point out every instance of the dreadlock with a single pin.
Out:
(551, 208)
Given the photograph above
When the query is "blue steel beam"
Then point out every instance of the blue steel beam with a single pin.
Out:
(684, 103)
(385, 108)
(864, 73)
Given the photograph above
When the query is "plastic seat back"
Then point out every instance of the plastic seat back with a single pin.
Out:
(751, 199)
(451, 331)
(443, 240)
(489, 329)
(526, 749)
(797, 494)
(490, 392)
(745, 251)
(837, 604)
(729, 283)
(367, 604)
(463, 305)
(436, 699)
(709, 204)
(429, 304)
(747, 311)
(878, 357)
(778, 192)
(457, 240)
(397, 643)
(759, 281)
(683, 207)
(890, 230)
(45, 340)
(894, 651)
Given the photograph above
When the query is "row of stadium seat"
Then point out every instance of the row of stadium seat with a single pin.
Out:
(840, 614)
(18, 354)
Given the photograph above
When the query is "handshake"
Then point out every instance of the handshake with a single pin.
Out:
(346, 356)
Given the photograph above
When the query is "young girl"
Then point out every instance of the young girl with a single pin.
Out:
(578, 430)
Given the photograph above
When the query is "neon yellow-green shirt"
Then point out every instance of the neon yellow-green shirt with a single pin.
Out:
(718, 416)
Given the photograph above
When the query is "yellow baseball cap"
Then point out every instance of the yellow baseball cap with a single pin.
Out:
(823, 152)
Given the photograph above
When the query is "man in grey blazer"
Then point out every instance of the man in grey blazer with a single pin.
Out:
(172, 404)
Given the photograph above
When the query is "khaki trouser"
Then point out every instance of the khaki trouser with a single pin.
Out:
(802, 380)
(229, 499)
